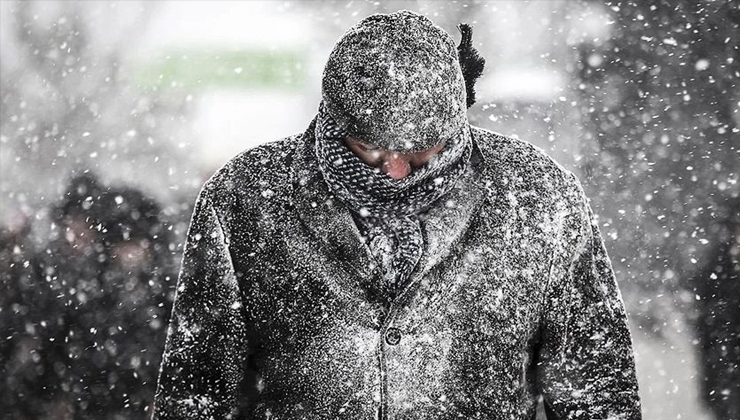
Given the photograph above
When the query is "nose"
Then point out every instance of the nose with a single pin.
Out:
(396, 165)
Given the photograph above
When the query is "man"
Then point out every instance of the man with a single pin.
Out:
(394, 262)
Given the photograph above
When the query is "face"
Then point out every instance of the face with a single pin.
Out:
(80, 235)
(132, 254)
(396, 165)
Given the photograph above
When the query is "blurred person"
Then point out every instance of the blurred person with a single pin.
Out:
(718, 323)
(99, 313)
(116, 327)
(395, 262)
(14, 247)
(138, 274)
(35, 376)
(14, 286)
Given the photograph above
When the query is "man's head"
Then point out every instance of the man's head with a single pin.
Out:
(395, 82)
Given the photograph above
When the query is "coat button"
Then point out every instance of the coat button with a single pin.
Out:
(393, 336)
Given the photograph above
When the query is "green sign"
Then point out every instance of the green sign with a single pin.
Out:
(278, 69)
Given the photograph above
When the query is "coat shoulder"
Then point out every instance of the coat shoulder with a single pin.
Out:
(519, 156)
(256, 181)
(263, 170)
(517, 165)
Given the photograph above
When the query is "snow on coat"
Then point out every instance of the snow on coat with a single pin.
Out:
(514, 297)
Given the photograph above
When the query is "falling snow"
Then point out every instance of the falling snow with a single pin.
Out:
(115, 114)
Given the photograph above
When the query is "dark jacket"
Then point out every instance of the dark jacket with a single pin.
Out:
(514, 297)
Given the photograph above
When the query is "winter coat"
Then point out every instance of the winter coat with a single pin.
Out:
(514, 297)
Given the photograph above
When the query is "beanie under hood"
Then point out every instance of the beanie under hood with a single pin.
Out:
(395, 81)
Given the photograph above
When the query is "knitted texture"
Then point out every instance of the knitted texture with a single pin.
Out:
(387, 210)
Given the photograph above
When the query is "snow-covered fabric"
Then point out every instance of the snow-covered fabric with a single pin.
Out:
(387, 210)
(513, 297)
(395, 81)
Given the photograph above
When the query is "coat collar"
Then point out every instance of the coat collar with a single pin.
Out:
(446, 224)
(331, 224)
(327, 219)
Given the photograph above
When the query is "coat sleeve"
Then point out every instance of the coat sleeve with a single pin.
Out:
(203, 365)
(586, 367)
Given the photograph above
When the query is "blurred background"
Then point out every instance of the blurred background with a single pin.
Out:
(115, 113)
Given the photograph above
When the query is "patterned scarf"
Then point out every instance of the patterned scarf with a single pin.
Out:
(386, 210)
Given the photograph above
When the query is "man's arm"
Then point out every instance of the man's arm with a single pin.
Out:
(586, 367)
(206, 349)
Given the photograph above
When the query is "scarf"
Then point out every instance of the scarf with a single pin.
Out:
(388, 211)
